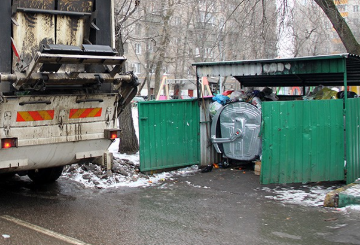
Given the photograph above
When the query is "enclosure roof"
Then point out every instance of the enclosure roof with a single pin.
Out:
(328, 70)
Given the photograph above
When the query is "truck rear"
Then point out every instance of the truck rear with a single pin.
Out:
(61, 86)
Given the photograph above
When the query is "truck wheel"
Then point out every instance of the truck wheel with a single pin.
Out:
(45, 175)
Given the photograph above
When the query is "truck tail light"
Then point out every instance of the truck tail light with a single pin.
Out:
(112, 133)
(9, 143)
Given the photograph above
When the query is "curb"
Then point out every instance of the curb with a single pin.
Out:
(344, 196)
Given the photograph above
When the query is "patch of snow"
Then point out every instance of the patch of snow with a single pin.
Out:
(353, 190)
(125, 174)
(305, 195)
(196, 186)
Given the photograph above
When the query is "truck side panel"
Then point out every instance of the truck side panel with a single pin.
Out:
(35, 4)
(103, 21)
(30, 31)
(71, 30)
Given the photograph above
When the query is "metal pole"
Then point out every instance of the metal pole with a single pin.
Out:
(345, 86)
(220, 85)
(345, 79)
(198, 87)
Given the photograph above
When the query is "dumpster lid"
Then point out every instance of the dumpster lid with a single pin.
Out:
(328, 70)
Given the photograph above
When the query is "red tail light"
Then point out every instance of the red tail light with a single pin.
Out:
(8, 143)
(112, 133)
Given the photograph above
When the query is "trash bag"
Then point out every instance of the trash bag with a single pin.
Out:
(269, 95)
(256, 102)
(236, 95)
(227, 92)
(350, 94)
(222, 99)
(325, 94)
(214, 107)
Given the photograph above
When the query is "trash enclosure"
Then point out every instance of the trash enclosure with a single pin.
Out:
(302, 140)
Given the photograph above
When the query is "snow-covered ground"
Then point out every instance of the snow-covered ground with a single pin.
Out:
(306, 195)
(125, 173)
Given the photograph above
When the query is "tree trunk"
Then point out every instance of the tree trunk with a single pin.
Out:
(340, 25)
(128, 141)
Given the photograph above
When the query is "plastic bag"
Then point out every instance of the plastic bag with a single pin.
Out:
(222, 99)
(235, 96)
(214, 107)
(325, 94)
(256, 102)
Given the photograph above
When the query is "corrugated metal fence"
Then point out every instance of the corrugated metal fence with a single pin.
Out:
(169, 134)
(303, 141)
(353, 139)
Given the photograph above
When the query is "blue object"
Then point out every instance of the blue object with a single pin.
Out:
(222, 99)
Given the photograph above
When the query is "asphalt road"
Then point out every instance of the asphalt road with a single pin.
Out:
(220, 207)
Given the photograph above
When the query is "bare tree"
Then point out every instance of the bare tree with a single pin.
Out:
(128, 140)
(330, 9)
(340, 25)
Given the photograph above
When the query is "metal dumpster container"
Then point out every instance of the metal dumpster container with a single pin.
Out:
(235, 131)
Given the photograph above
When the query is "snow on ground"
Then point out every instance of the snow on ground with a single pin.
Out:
(304, 195)
(353, 190)
(125, 172)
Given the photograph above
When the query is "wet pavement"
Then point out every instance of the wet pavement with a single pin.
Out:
(221, 207)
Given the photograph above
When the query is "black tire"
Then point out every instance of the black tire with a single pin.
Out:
(7, 175)
(45, 175)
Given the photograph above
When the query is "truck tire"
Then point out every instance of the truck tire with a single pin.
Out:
(45, 175)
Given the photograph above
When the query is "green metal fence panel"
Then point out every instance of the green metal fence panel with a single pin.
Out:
(169, 134)
(303, 141)
(352, 140)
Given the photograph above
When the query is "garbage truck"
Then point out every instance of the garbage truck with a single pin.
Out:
(61, 85)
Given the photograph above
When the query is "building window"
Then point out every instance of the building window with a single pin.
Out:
(137, 29)
(209, 53)
(126, 48)
(177, 21)
(150, 46)
(137, 48)
(197, 52)
(166, 70)
(356, 8)
(341, 8)
(206, 17)
(137, 68)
